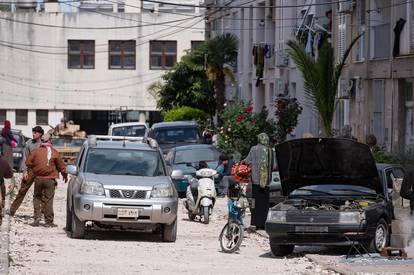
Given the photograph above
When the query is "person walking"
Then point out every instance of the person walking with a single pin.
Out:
(45, 163)
(6, 172)
(407, 187)
(9, 142)
(28, 178)
(261, 159)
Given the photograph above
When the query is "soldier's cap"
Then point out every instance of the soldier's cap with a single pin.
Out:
(38, 129)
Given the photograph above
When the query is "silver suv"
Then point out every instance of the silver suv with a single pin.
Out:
(121, 183)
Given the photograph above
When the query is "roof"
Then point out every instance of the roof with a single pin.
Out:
(129, 124)
(120, 145)
(194, 146)
(386, 165)
(174, 124)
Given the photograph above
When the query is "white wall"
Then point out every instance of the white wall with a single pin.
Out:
(34, 80)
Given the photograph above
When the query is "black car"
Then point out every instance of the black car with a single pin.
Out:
(173, 134)
(334, 196)
(18, 150)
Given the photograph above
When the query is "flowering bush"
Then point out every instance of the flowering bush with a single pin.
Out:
(287, 114)
(241, 127)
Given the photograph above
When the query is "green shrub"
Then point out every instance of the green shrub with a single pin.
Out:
(185, 113)
(381, 156)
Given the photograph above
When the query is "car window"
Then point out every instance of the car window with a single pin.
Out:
(176, 134)
(124, 162)
(80, 157)
(196, 155)
(389, 176)
(129, 131)
(168, 158)
(67, 142)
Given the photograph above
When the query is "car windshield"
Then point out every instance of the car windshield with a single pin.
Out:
(124, 162)
(67, 142)
(176, 134)
(129, 131)
(333, 189)
(196, 155)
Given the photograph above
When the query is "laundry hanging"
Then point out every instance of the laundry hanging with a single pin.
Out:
(397, 33)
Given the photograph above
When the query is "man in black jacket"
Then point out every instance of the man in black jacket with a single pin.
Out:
(407, 186)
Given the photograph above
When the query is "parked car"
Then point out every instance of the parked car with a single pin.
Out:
(18, 150)
(334, 196)
(173, 134)
(186, 159)
(129, 129)
(120, 183)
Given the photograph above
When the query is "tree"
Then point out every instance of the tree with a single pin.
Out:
(321, 78)
(186, 84)
(216, 53)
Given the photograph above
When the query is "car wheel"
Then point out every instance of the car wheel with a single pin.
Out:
(281, 250)
(169, 232)
(380, 240)
(206, 214)
(77, 228)
(68, 219)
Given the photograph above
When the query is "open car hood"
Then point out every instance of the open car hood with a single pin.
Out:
(305, 162)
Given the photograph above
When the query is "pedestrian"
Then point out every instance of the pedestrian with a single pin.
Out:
(6, 172)
(261, 159)
(9, 142)
(45, 163)
(224, 171)
(407, 187)
(28, 178)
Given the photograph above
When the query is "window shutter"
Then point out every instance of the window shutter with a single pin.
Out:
(412, 27)
(341, 36)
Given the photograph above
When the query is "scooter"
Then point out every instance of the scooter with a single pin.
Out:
(201, 205)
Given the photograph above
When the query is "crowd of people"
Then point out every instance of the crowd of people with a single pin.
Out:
(41, 165)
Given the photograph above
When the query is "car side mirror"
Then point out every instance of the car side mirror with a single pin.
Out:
(72, 170)
(177, 175)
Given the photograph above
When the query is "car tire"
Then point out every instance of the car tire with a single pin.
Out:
(381, 237)
(206, 214)
(169, 232)
(281, 250)
(77, 227)
(68, 219)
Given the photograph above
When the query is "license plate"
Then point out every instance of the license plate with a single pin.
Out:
(128, 213)
(316, 229)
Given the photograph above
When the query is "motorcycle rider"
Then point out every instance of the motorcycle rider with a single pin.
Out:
(194, 182)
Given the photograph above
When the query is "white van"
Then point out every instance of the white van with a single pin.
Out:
(129, 129)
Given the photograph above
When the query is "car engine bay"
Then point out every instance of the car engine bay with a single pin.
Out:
(325, 205)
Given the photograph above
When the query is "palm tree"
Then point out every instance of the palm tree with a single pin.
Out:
(215, 54)
(321, 78)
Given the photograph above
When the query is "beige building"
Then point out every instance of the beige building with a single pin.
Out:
(376, 91)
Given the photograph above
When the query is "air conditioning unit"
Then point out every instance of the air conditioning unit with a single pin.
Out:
(282, 59)
(346, 6)
(347, 89)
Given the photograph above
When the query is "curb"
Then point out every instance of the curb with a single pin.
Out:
(5, 242)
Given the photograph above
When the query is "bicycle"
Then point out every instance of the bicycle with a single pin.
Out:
(232, 234)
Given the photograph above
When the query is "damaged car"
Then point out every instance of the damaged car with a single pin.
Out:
(333, 196)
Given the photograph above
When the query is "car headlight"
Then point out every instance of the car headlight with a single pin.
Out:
(276, 216)
(163, 190)
(17, 155)
(351, 217)
(92, 188)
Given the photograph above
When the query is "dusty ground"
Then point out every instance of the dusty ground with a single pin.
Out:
(40, 250)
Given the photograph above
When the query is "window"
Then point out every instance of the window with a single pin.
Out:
(3, 115)
(122, 54)
(21, 117)
(81, 54)
(42, 117)
(195, 45)
(163, 54)
(379, 105)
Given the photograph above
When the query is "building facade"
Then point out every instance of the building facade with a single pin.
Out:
(92, 63)
(269, 25)
(376, 91)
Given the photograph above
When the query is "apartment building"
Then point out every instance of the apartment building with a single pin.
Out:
(270, 24)
(92, 62)
(376, 89)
